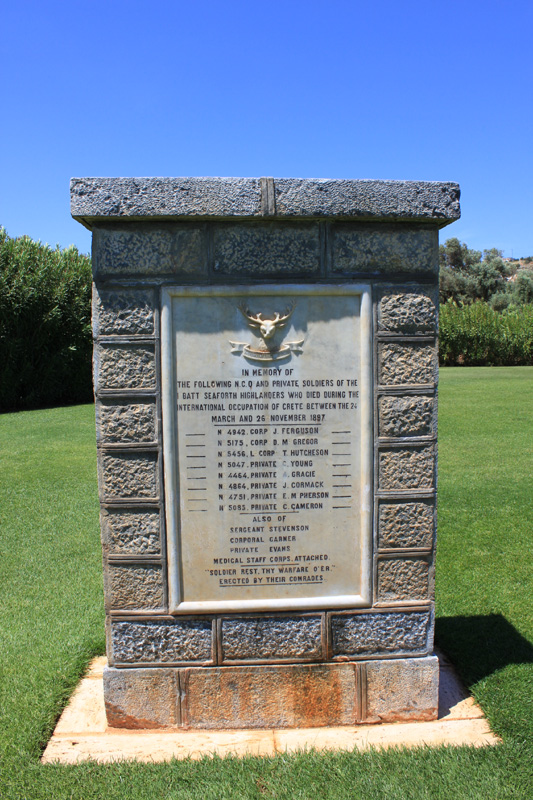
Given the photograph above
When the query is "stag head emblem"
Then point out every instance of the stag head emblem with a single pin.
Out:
(267, 327)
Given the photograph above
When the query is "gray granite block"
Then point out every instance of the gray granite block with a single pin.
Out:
(141, 198)
(410, 415)
(119, 366)
(141, 698)
(379, 634)
(124, 423)
(126, 475)
(267, 250)
(409, 363)
(367, 199)
(271, 638)
(406, 524)
(150, 250)
(380, 249)
(135, 587)
(123, 311)
(407, 312)
(161, 641)
(400, 469)
(402, 690)
(402, 579)
(131, 531)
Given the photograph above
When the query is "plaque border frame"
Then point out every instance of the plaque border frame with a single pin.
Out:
(170, 471)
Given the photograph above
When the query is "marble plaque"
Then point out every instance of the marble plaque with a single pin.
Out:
(267, 426)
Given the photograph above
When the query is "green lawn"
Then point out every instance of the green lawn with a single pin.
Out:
(51, 615)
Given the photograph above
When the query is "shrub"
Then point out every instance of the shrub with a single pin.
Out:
(45, 328)
(477, 335)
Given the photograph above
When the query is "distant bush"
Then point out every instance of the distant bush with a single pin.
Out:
(477, 335)
(45, 324)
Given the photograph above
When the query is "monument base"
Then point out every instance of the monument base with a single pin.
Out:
(273, 696)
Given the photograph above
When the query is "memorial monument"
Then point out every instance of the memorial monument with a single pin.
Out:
(265, 379)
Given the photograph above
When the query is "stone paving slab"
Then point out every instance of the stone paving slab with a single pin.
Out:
(82, 733)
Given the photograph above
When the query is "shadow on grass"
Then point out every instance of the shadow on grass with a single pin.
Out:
(481, 645)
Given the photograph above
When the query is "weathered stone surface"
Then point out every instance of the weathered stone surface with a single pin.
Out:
(129, 475)
(123, 311)
(125, 423)
(363, 635)
(141, 698)
(94, 198)
(367, 199)
(407, 416)
(164, 641)
(271, 637)
(269, 249)
(138, 586)
(131, 531)
(125, 367)
(309, 695)
(178, 250)
(403, 579)
(406, 524)
(363, 248)
(407, 363)
(407, 312)
(400, 690)
(409, 468)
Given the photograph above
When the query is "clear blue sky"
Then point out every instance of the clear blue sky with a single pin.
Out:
(342, 89)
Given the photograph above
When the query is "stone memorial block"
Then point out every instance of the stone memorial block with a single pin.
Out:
(265, 379)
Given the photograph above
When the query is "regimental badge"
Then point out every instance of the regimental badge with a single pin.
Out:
(270, 348)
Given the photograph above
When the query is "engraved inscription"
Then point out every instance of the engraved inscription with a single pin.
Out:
(269, 457)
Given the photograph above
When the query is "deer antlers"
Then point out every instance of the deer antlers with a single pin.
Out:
(267, 327)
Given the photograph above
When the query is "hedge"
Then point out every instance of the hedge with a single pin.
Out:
(45, 325)
(477, 335)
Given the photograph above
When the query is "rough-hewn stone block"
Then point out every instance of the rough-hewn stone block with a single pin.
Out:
(268, 249)
(162, 641)
(367, 249)
(409, 468)
(97, 198)
(271, 638)
(138, 586)
(407, 312)
(407, 416)
(131, 531)
(141, 698)
(123, 311)
(406, 524)
(411, 363)
(126, 475)
(165, 197)
(126, 422)
(125, 367)
(403, 579)
(402, 690)
(374, 635)
(177, 250)
(309, 695)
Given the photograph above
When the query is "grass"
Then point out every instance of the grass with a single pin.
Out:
(51, 616)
